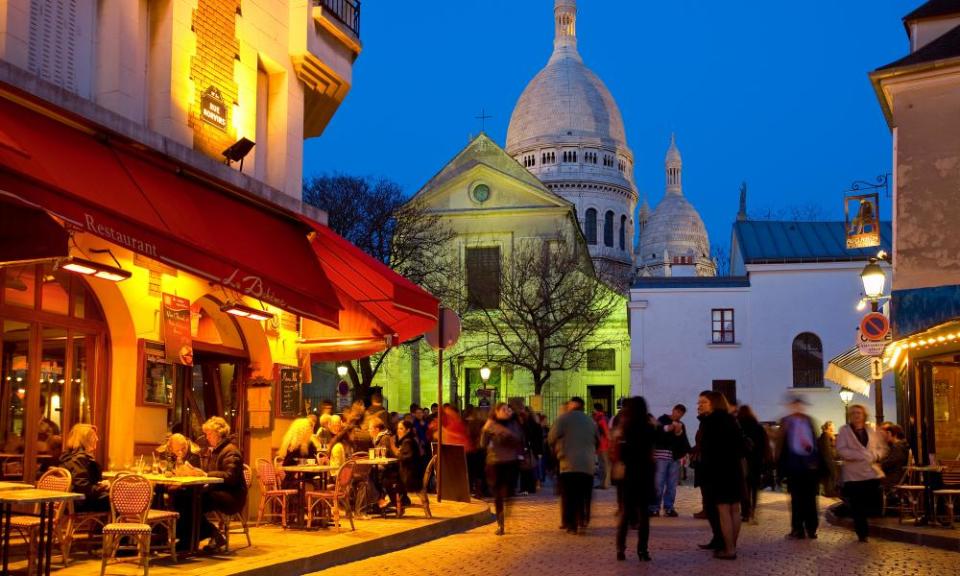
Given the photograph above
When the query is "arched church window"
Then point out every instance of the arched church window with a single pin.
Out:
(590, 226)
(623, 232)
(608, 229)
(807, 361)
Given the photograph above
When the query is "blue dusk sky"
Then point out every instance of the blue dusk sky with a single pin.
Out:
(772, 93)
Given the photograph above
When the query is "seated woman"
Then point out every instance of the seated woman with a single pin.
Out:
(297, 444)
(341, 444)
(385, 478)
(180, 456)
(79, 458)
(226, 461)
(410, 459)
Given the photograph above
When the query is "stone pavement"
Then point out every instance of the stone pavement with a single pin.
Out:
(534, 546)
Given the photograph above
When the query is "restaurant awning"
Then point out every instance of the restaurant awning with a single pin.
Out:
(378, 301)
(146, 203)
(851, 370)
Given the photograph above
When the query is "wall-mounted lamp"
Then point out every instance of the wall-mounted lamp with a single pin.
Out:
(91, 268)
(244, 311)
(342, 370)
(237, 151)
(484, 373)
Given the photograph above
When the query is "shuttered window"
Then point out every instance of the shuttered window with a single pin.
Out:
(61, 43)
(483, 278)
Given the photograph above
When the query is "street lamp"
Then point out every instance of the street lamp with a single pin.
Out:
(873, 278)
(342, 370)
(846, 396)
(484, 373)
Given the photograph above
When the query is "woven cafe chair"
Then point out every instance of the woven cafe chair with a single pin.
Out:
(225, 521)
(28, 526)
(911, 494)
(271, 493)
(423, 494)
(950, 490)
(332, 499)
(130, 498)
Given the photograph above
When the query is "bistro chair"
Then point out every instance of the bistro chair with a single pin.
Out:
(28, 526)
(167, 519)
(130, 498)
(224, 521)
(424, 495)
(271, 493)
(950, 490)
(361, 484)
(332, 499)
(911, 493)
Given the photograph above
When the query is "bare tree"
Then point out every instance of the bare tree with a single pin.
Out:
(721, 259)
(376, 216)
(551, 306)
(797, 213)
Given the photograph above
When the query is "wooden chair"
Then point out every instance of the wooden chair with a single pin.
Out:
(130, 498)
(332, 499)
(28, 526)
(167, 519)
(224, 521)
(271, 493)
(950, 490)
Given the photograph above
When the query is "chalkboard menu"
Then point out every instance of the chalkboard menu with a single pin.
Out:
(288, 392)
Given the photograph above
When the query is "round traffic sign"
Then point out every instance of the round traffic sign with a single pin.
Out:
(874, 326)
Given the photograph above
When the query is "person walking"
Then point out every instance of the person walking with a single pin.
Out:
(632, 442)
(827, 444)
(721, 452)
(861, 449)
(502, 437)
(574, 437)
(603, 457)
(755, 460)
(670, 446)
(800, 465)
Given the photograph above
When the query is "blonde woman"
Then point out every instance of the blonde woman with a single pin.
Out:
(79, 457)
(341, 444)
(861, 449)
(298, 442)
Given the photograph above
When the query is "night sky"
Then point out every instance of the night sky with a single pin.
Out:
(774, 93)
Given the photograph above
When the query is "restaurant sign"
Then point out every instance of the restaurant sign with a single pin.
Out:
(863, 228)
(176, 330)
(212, 108)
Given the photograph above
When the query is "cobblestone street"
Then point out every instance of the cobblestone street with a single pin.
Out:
(534, 546)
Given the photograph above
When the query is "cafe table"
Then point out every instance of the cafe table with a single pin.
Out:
(194, 484)
(373, 462)
(14, 486)
(301, 470)
(921, 475)
(46, 499)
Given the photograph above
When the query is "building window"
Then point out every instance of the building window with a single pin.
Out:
(807, 361)
(728, 388)
(723, 326)
(608, 229)
(590, 226)
(623, 232)
(483, 278)
(61, 45)
(601, 360)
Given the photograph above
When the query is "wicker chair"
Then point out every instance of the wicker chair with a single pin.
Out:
(28, 527)
(332, 499)
(167, 519)
(270, 492)
(224, 521)
(950, 490)
(424, 496)
(130, 498)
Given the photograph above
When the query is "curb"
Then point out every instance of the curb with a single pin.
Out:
(371, 548)
(899, 535)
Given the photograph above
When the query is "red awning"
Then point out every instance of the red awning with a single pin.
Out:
(386, 304)
(154, 207)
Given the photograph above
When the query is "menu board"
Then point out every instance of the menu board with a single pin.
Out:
(288, 391)
(176, 330)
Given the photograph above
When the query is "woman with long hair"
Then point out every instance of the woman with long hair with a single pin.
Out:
(861, 449)
(632, 470)
(79, 457)
(341, 445)
(502, 437)
(721, 453)
(755, 459)
(298, 442)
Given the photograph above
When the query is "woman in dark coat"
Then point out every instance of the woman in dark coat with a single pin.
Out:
(410, 459)
(721, 452)
(632, 471)
(226, 461)
(502, 437)
(85, 470)
(756, 459)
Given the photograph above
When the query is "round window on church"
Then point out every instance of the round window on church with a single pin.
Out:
(481, 193)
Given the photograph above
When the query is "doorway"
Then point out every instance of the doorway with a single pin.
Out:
(214, 386)
(602, 395)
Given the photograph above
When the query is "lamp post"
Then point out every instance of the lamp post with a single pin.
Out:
(342, 369)
(846, 396)
(485, 374)
(873, 278)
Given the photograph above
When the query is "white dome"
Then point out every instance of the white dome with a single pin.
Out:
(675, 229)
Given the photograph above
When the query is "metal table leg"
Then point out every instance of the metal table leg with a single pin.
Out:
(41, 540)
(6, 536)
(50, 519)
(195, 520)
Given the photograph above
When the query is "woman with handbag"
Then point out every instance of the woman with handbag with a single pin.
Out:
(632, 473)
(502, 437)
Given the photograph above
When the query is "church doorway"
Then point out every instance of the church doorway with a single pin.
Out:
(602, 395)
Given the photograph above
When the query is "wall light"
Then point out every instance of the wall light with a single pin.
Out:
(91, 268)
(244, 311)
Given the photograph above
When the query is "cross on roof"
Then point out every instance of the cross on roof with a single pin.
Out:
(483, 119)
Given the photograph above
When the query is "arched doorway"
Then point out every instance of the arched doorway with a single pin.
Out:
(54, 343)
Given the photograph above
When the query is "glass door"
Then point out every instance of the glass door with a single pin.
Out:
(14, 380)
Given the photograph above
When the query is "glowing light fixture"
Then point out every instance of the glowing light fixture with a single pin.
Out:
(244, 311)
(484, 373)
(873, 279)
(846, 396)
(91, 268)
(342, 370)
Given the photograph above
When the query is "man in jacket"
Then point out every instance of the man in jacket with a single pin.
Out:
(800, 464)
(603, 456)
(575, 438)
(670, 446)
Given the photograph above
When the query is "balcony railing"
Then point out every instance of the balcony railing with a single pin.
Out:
(346, 11)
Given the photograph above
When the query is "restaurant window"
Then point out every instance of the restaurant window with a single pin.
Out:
(601, 360)
(722, 324)
(61, 44)
(52, 365)
(807, 361)
(483, 278)
(940, 381)
(608, 229)
(590, 226)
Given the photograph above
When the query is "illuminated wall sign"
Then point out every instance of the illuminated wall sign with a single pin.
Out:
(212, 109)
(863, 228)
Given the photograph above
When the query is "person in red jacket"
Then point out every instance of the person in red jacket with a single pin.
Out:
(603, 453)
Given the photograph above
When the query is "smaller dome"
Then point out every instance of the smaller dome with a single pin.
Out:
(675, 229)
